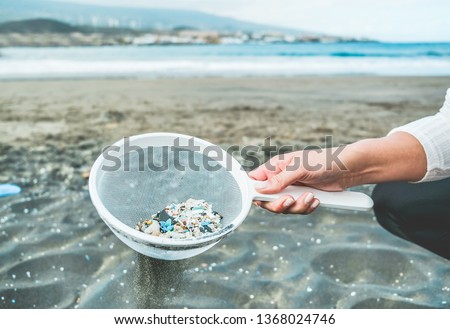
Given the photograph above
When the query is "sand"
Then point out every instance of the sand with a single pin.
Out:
(56, 251)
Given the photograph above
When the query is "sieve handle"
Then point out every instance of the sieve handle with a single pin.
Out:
(340, 200)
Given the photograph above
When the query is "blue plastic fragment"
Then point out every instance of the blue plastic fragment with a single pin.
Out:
(9, 189)
(166, 226)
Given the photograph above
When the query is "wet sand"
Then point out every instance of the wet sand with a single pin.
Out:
(57, 252)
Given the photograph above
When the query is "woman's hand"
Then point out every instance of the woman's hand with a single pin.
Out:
(397, 157)
(313, 168)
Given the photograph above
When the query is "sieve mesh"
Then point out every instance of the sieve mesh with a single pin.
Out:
(148, 180)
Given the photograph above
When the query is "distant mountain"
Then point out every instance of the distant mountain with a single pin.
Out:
(37, 26)
(135, 18)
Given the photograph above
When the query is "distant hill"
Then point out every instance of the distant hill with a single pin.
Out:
(37, 26)
(134, 18)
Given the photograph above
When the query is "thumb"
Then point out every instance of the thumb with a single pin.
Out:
(278, 182)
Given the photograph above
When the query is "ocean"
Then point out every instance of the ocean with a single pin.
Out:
(371, 58)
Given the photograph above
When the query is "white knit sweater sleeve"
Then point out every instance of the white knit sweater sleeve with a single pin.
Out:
(433, 133)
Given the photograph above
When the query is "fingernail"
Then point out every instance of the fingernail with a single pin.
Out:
(309, 198)
(289, 202)
(261, 184)
(315, 203)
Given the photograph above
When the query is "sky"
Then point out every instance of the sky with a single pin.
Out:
(385, 20)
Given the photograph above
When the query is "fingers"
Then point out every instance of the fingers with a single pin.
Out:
(277, 174)
(305, 204)
(266, 170)
(259, 173)
(279, 182)
(279, 205)
(272, 167)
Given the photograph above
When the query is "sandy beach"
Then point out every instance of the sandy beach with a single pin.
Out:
(56, 252)
(290, 110)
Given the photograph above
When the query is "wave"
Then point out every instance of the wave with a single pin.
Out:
(387, 50)
(362, 54)
(227, 60)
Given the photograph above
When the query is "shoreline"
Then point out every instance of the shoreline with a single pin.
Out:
(219, 77)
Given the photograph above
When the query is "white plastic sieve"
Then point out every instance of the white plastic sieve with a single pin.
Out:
(140, 175)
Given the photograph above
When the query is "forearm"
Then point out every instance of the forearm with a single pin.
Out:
(397, 157)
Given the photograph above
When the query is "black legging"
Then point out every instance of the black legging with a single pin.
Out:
(419, 213)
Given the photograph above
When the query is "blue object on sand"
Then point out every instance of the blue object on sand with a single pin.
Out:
(9, 189)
